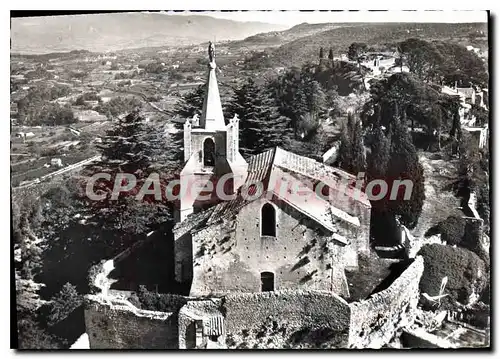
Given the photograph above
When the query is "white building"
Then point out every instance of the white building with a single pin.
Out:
(56, 162)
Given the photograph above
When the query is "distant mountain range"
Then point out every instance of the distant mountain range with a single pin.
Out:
(117, 31)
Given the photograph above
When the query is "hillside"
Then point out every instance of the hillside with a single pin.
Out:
(278, 38)
(306, 48)
(111, 32)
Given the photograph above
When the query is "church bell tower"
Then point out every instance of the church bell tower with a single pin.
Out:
(211, 149)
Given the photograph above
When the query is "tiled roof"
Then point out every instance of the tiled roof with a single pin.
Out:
(258, 171)
(192, 222)
(280, 166)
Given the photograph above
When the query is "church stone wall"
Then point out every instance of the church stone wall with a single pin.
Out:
(300, 256)
(285, 319)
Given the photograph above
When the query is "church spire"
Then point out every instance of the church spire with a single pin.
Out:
(212, 117)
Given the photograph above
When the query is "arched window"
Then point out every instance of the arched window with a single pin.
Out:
(208, 152)
(268, 220)
(267, 281)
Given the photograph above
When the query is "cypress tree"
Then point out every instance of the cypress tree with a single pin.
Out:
(352, 151)
(404, 165)
(379, 156)
(377, 163)
(358, 150)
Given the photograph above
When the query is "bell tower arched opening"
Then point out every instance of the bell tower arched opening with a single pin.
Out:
(208, 153)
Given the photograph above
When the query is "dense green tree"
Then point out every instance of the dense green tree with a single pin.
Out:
(257, 60)
(356, 51)
(422, 57)
(31, 336)
(419, 103)
(261, 125)
(341, 76)
(481, 115)
(461, 66)
(377, 163)
(444, 63)
(452, 230)
(87, 96)
(119, 106)
(298, 94)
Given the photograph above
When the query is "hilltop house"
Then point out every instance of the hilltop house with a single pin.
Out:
(287, 221)
(468, 96)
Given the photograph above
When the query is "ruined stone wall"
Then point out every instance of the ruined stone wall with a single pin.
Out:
(374, 321)
(114, 325)
(201, 311)
(286, 319)
(301, 254)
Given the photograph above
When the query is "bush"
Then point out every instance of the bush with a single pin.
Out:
(467, 273)
(49, 152)
(118, 106)
(158, 301)
(452, 230)
(32, 336)
(87, 96)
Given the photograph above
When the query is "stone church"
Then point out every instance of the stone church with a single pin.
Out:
(272, 231)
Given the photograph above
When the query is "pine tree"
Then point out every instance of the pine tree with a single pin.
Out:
(261, 126)
(126, 149)
(64, 303)
(191, 103)
(404, 165)
(297, 94)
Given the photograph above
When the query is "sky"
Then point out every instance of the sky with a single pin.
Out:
(291, 18)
